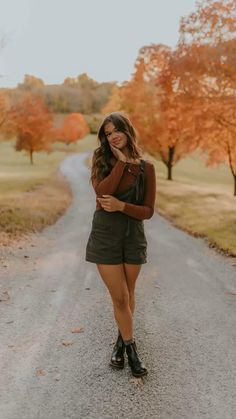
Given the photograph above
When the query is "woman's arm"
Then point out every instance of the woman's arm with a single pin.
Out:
(110, 183)
(145, 211)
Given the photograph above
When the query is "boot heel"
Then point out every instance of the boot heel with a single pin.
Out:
(117, 358)
(137, 366)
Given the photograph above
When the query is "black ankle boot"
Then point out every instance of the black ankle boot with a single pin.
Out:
(117, 357)
(137, 366)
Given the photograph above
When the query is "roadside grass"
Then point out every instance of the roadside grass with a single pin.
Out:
(199, 200)
(32, 210)
(33, 196)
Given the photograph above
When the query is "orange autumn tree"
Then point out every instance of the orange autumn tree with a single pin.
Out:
(30, 120)
(207, 51)
(138, 99)
(159, 108)
(218, 131)
(3, 96)
(114, 102)
(74, 127)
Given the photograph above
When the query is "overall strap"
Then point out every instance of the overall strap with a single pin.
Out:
(139, 185)
(139, 190)
(142, 166)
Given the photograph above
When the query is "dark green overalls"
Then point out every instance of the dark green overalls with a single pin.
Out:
(116, 237)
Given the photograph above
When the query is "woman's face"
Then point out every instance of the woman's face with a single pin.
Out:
(114, 136)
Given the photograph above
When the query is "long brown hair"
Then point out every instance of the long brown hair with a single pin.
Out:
(101, 160)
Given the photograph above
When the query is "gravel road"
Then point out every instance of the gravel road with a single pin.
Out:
(184, 325)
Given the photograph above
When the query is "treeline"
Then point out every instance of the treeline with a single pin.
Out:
(76, 94)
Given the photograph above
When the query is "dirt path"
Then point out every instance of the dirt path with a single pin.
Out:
(184, 325)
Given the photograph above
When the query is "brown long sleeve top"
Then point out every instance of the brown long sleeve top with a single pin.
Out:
(119, 179)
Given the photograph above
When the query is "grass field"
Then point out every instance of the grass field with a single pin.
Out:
(33, 196)
(192, 170)
(199, 199)
(18, 175)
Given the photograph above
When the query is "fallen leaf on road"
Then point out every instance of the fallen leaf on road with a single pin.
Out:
(67, 342)
(77, 330)
(39, 372)
(4, 295)
(137, 381)
(231, 292)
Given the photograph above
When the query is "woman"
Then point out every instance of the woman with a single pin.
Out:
(125, 187)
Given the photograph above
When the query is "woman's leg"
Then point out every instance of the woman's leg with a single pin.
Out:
(131, 273)
(115, 280)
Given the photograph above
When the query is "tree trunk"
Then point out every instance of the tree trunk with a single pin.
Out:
(31, 156)
(234, 175)
(170, 162)
(232, 168)
(2, 122)
(169, 168)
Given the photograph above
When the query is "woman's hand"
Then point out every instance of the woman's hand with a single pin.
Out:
(110, 203)
(118, 153)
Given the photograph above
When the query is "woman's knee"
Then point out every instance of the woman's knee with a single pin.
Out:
(121, 301)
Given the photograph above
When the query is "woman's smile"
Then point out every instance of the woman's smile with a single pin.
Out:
(113, 135)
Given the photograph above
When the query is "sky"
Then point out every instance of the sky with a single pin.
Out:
(55, 39)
